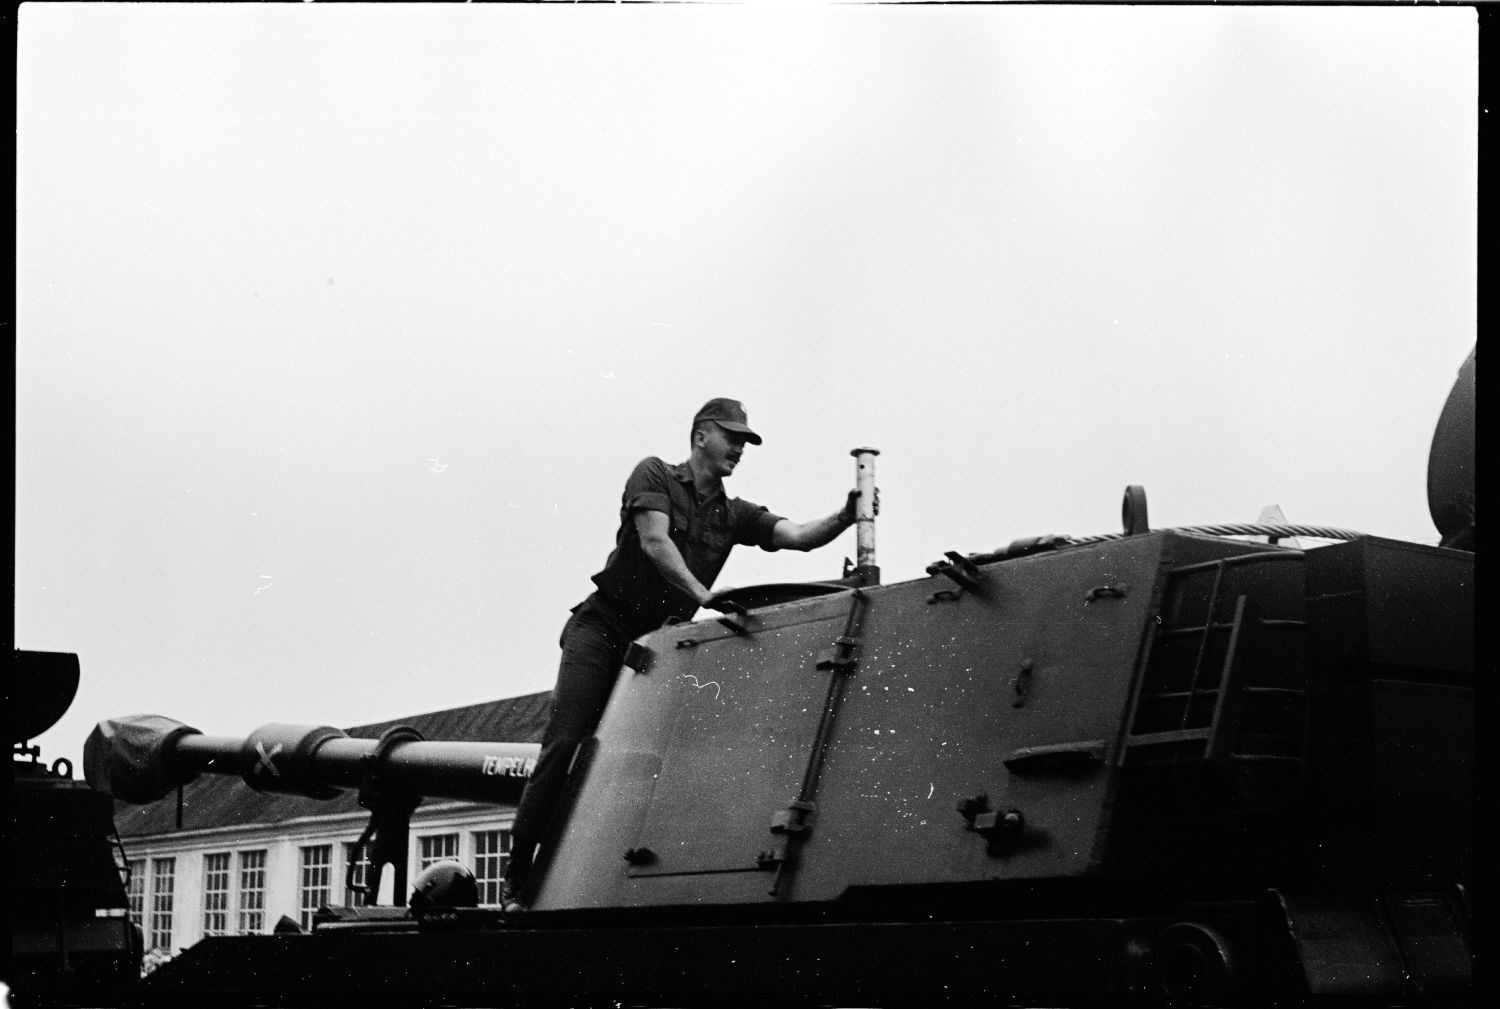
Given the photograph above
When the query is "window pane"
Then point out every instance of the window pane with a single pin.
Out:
(491, 856)
(316, 887)
(162, 875)
(252, 906)
(135, 891)
(435, 848)
(216, 893)
(359, 857)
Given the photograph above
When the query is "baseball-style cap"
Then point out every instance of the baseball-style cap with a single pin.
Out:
(728, 414)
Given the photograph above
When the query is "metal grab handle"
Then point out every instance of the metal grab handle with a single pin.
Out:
(1057, 757)
(864, 515)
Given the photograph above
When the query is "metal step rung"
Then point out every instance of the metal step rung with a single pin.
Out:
(1201, 735)
(1182, 632)
(1175, 695)
(1263, 623)
(1170, 736)
(1172, 695)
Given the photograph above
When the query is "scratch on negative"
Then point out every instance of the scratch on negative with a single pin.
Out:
(700, 686)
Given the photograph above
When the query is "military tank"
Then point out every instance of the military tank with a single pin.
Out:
(1202, 765)
(71, 936)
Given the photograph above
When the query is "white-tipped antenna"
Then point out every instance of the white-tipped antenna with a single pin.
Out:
(864, 515)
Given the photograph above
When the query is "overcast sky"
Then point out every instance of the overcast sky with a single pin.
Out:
(340, 327)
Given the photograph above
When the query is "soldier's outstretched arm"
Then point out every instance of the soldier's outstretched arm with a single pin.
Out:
(789, 535)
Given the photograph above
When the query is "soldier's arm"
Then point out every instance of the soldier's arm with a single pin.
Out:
(654, 527)
(789, 535)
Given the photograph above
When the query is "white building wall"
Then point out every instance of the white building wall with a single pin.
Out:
(283, 844)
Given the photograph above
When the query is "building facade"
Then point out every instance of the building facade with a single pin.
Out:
(226, 860)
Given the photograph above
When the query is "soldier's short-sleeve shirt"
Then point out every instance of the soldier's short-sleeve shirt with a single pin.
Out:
(703, 529)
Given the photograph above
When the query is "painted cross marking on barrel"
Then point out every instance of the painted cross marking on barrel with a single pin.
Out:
(265, 758)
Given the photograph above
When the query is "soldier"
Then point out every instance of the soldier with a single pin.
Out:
(676, 530)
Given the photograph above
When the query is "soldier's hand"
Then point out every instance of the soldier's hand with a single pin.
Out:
(851, 505)
(716, 601)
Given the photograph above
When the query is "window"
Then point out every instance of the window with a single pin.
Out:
(252, 908)
(435, 848)
(317, 882)
(216, 893)
(135, 890)
(160, 930)
(359, 857)
(491, 856)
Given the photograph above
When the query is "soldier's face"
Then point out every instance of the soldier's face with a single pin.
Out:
(721, 449)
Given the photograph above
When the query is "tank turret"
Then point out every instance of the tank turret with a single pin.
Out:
(1185, 760)
(1192, 765)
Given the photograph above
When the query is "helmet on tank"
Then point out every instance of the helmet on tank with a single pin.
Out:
(444, 884)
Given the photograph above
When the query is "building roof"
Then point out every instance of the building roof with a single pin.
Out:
(214, 800)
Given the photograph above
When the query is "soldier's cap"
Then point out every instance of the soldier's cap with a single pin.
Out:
(728, 414)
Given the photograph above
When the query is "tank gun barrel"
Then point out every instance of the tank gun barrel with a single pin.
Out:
(142, 758)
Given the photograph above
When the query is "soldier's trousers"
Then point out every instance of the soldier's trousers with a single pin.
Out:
(593, 647)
